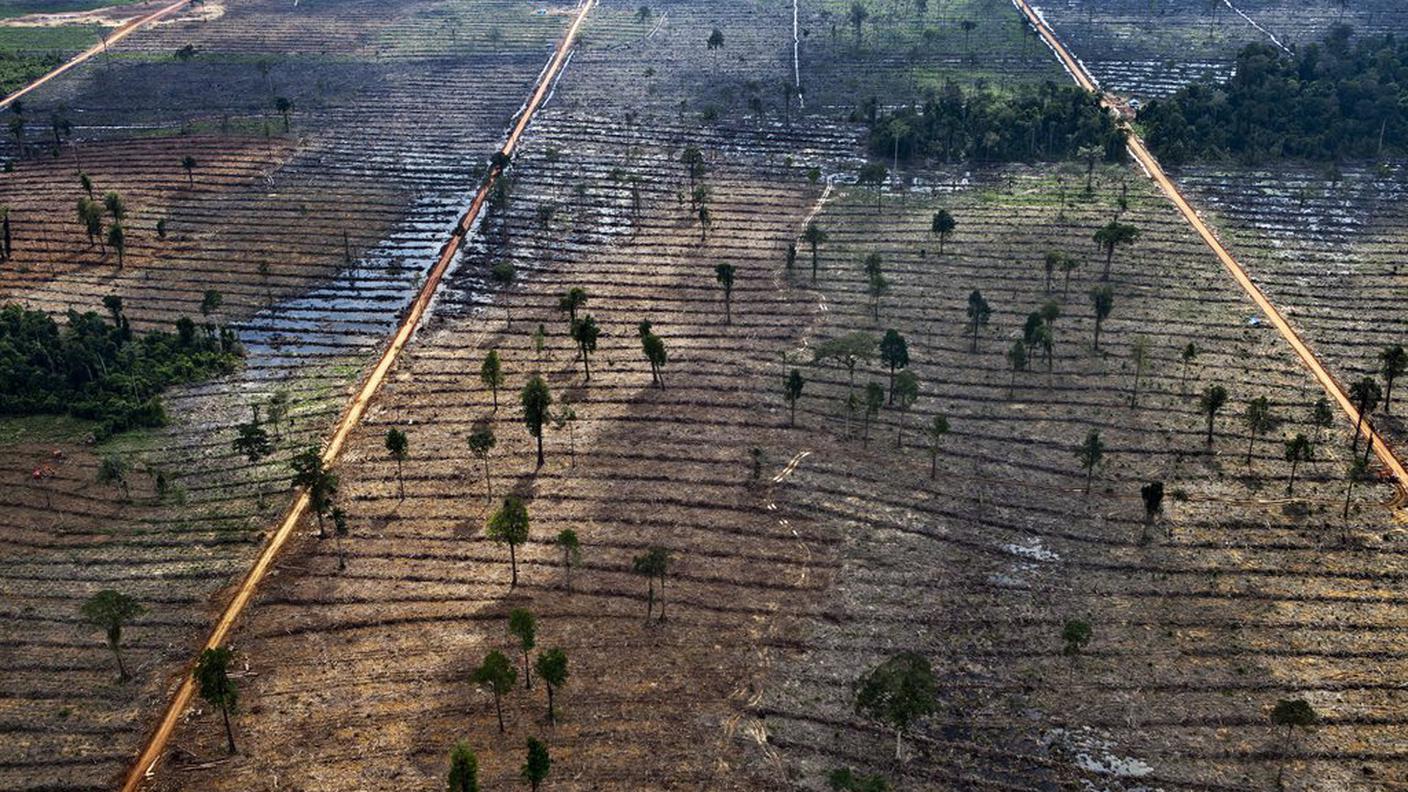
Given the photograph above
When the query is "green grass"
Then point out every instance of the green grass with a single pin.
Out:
(62, 38)
(9, 9)
(43, 429)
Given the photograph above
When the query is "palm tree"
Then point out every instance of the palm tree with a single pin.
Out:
(814, 236)
(1393, 362)
(1089, 454)
(1102, 298)
(1365, 394)
(397, 446)
(1112, 235)
(1298, 449)
(586, 332)
(1259, 420)
(536, 400)
(653, 564)
(793, 392)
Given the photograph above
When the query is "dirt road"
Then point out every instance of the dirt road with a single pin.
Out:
(156, 744)
(1151, 165)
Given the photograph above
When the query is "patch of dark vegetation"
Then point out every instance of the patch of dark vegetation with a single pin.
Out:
(1045, 123)
(101, 370)
(1330, 101)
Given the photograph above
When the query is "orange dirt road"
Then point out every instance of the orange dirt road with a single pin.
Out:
(156, 743)
(132, 26)
(1146, 159)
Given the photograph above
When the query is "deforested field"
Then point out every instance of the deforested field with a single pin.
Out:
(808, 541)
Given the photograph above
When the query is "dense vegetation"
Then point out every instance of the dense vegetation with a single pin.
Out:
(1049, 122)
(101, 370)
(1329, 101)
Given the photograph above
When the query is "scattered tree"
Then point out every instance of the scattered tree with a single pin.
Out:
(315, 479)
(1393, 361)
(586, 332)
(848, 350)
(1102, 299)
(1139, 354)
(1321, 416)
(653, 564)
(942, 225)
(497, 675)
(481, 443)
(523, 626)
(1291, 714)
(907, 391)
(874, 400)
(189, 164)
(571, 548)
(894, 354)
(1259, 421)
(1298, 449)
(397, 445)
(536, 766)
(1153, 496)
(464, 769)
(491, 373)
(654, 349)
(724, 273)
(1210, 404)
(1089, 454)
(552, 669)
(936, 432)
(793, 391)
(212, 675)
(1114, 234)
(252, 441)
(898, 692)
(1365, 394)
(1075, 634)
(536, 401)
(340, 530)
(509, 525)
(979, 313)
(110, 611)
(814, 236)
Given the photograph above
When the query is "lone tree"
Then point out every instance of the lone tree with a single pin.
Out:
(1298, 449)
(315, 479)
(524, 626)
(536, 401)
(1188, 355)
(935, 434)
(1089, 454)
(715, 40)
(571, 548)
(1018, 359)
(491, 373)
(536, 766)
(898, 692)
(481, 444)
(1291, 713)
(284, 106)
(873, 174)
(847, 351)
(1322, 417)
(1112, 235)
(1393, 361)
(212, 675)
(569, 303)
(1259, 421)
(1365, 394)
(1153, 496)
(942, 225)
(117, 240)
(398, 446)
(1210, 404)
(654, 348)
(110, 611)
(509, 525)
(814, 236)
(1102, 299)
(552, 669)
(464, 769)
(653, 564)
(497, 675)
(979, 313)
(894, 354)
(1075, 634)
(252, 441)
(907, 391)
(874, 400)
(792, 389)
(586, 332)
(724, 274)
(189, 164)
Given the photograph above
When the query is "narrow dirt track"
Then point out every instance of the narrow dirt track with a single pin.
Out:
(151, 753)
(118, 35)
(1151, 166)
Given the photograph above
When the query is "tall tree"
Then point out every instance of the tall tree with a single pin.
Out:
(110, 611)
(654, 349)
(552, 669)
(1365, 394)
(1188, 355)
(1292, 714)
(857, 16)
(847, 351)
(509, 525)
(1322, 417)
(1017, 358)
(496, 675)
(792, 389)
(814, 236)
(1112, 235)
(724, 274)
(117, 240)
(536, 766)
(979, 313)
(481, 443)
(936, 433)
(315, 479)
(586, 332)
(874, 400)
(523, 626)
(1139, 355)
(941, 226)
(1259, 421)
(894, 355)
(213, 683)
(1393, 361)
(464, 769)
(284, 106)
(1102, 299)
(1298, 449)
(571, 302)
(1152, 494)
(907, 393)
(653, 564)
(1075, 634)
(491, 373)
(1090, 453)
(398, 446)
(571, 548)
(873, 174)
(1210, 404)
(340, 530)
(898, 692)
(536, 402)
(189, 164)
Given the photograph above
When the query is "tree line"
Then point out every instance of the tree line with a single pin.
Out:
(1328, 101)
(1046, 122)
